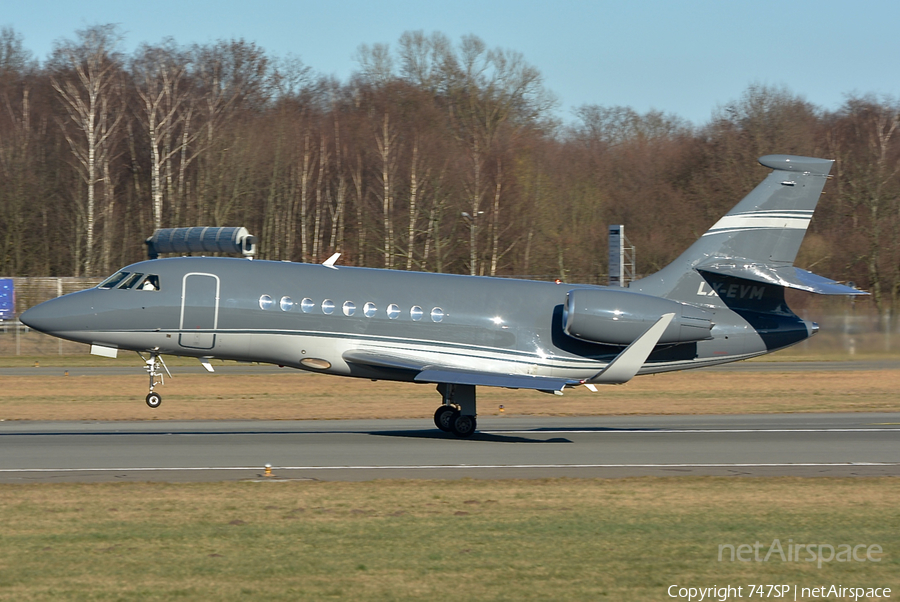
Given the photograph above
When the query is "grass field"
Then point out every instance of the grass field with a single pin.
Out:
(627, 539)
(559, 539)
(299, 395)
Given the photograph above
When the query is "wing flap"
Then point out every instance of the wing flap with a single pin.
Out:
(488, 379)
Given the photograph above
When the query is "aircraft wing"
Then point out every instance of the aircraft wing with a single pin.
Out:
(430, 373)
(622, 369)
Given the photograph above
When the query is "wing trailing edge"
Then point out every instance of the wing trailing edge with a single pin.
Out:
(445, 374)
(508, 381)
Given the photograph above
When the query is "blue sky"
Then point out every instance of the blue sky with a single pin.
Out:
(684, 57)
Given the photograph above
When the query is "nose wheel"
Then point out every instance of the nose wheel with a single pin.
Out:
(154, 399)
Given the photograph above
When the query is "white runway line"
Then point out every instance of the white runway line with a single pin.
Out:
(453, 467)
(619, 431)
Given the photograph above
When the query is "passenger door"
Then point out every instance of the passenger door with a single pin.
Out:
(199, 311)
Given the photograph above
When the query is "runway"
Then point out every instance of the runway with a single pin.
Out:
(859, 444)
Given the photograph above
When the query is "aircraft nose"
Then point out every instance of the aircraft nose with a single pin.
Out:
(63, 314)
(40, 317)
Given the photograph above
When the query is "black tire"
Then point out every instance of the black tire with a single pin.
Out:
(443, 417)
(154, 399)
(464, 426)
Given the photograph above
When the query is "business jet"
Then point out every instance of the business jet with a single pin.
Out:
(721, 301)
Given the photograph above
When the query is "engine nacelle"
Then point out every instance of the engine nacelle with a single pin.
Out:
(201, 239)
(616, 317)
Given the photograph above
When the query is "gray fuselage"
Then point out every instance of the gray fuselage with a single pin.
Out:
(278, 312)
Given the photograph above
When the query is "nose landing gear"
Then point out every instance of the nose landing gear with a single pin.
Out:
(156, 377)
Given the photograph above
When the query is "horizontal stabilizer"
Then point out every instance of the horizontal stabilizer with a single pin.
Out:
(626, 365)
(509, 381)
(786, 276)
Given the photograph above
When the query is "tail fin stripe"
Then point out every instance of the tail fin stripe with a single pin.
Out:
(761, 220)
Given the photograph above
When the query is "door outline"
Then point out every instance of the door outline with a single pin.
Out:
(199, 339)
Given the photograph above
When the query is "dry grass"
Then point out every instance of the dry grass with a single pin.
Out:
(297, 395)
(557, 539)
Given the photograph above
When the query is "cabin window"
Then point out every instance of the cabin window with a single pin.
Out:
(286, 304)
(369, 309)
(393, 311)
(307, 305)
(415, 313)
(349, 308)
(266, 302)
(113, 280)
(437, 314)
(150, 283)
(327, 307)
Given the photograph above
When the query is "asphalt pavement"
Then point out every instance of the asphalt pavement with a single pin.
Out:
(857, 444)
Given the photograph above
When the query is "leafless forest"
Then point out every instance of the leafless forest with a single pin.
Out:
(437, 154)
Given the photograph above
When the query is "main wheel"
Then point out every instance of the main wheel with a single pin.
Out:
(443, 418)
(154, 399)
(464, 426)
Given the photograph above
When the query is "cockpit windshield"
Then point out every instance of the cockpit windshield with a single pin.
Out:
(113, 280)
(130, 280)
(127, 280)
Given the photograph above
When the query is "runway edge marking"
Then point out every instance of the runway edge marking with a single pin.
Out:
(452, 466)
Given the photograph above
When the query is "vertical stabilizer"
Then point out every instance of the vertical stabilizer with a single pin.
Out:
(760, 235)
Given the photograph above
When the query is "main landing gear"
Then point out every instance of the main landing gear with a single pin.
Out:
(457, 414)
(153, 364)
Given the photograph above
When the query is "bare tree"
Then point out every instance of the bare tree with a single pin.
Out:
(867, 149)
(487, 90)
(165, 110)
(376, 64)
(359, 187)
(16, 149)
(321, 194)
(231, 75)
(305, 171)
(338, 220)
(387, 153)
(88, 83)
